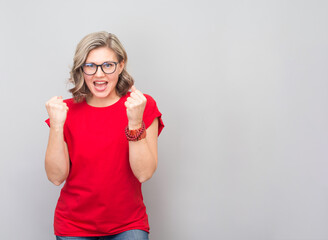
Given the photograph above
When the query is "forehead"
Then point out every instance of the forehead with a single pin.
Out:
(100, 55)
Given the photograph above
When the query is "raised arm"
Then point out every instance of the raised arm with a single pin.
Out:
(57, 158)
(142, 153)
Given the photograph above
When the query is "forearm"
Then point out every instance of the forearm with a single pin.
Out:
(142, 161)
(56, 159)
(143, 153)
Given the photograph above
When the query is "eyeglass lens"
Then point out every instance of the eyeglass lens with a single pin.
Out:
(107, 67)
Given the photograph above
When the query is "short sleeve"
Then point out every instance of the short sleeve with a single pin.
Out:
(151, 112)
(48, 122)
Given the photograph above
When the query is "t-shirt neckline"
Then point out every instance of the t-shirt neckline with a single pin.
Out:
(107, 107)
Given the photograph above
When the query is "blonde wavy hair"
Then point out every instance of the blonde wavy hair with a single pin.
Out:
(95, 40)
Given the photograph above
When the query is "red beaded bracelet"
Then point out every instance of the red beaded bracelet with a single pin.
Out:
(136, 134)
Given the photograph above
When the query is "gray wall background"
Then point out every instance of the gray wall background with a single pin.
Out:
(242, 86)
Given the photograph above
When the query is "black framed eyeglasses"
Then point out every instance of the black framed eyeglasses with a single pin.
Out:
(92, 68)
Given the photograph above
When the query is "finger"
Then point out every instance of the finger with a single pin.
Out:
(133, 88)
(57, 105)
(135, 96)
(65, 105)
(127, 104)
(55, 98)
(140, 94)
(49, 104)
(52, 99)
(58, 102)
(132, 100)
(58, 99)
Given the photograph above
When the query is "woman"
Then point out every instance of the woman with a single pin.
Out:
(103, 142)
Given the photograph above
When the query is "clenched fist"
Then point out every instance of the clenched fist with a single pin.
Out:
(135, 106)
(57, 111)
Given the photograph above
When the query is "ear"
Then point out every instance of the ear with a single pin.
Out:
(121, 66)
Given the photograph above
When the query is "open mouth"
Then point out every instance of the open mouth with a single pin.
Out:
(100, 85)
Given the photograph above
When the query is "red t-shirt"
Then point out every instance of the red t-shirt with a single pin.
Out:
(101, 195)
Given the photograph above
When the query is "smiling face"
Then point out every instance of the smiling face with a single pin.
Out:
(101, 85)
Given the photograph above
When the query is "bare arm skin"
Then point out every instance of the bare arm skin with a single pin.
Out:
(142, 153)
(57, 158)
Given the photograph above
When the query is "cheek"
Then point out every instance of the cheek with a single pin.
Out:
(113, 77)
(87, 78)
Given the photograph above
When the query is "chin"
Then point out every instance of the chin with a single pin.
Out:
(101, 95)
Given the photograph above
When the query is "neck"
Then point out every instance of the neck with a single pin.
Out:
(102, 102)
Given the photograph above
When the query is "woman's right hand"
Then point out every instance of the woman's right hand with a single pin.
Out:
(57, 110)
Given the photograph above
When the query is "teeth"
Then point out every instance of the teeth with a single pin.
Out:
(100, 82)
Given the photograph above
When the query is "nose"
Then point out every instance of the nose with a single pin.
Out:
(99, 72)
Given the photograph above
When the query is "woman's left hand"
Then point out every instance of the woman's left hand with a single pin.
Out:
(135, 106)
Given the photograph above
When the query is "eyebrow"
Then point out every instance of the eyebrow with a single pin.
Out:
(101, 63)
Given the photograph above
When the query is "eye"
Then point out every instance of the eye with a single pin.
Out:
(108, 65)
(89, 65)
